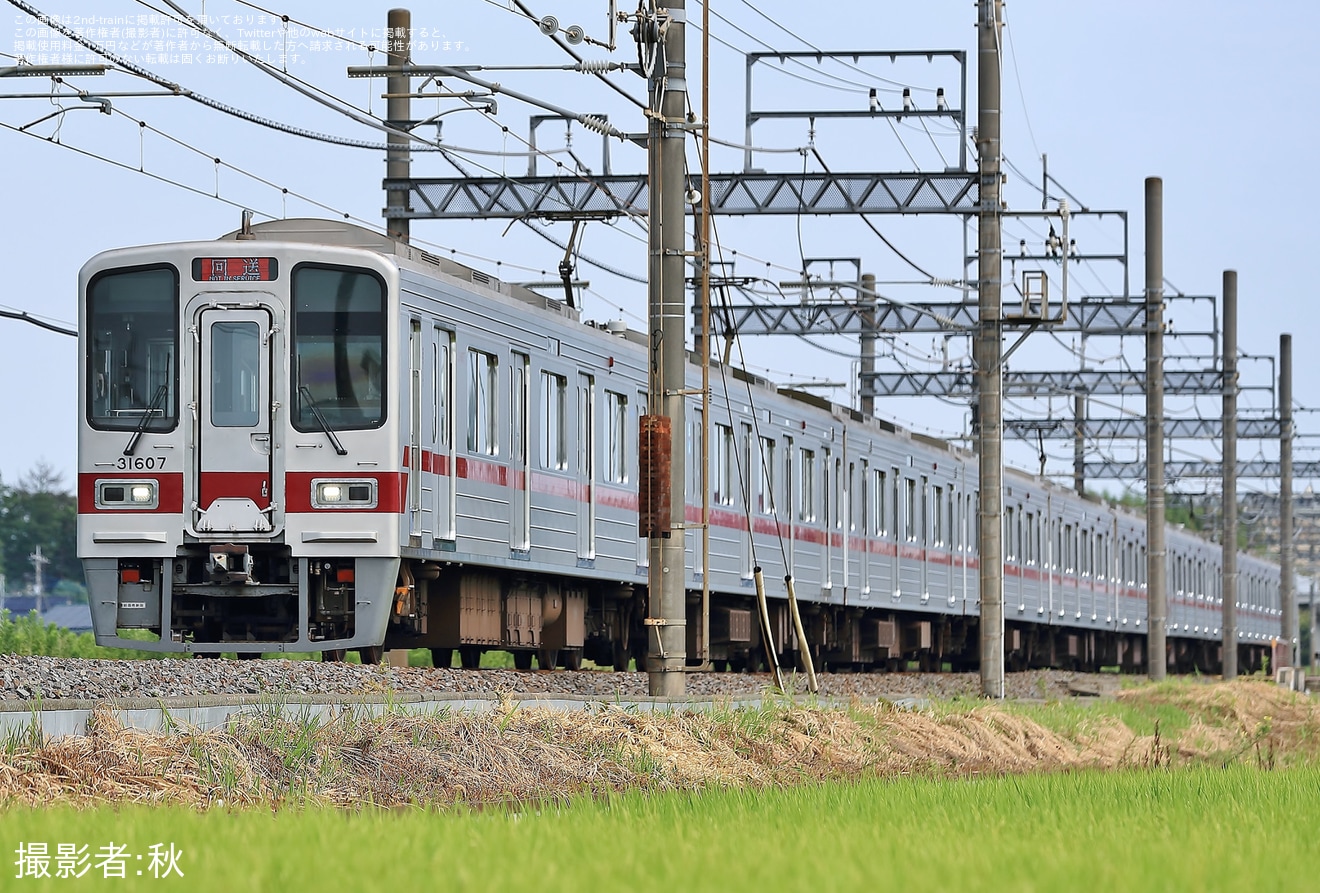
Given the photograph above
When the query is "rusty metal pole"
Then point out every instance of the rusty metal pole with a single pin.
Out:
(398, 112)
(1157, 603)
(667, 134)
(1230, 387)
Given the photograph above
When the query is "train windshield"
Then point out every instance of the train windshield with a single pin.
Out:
(338, 348)
(132, 348)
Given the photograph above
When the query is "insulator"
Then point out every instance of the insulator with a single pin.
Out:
(548, 25)
(594, 66)
(600, 125)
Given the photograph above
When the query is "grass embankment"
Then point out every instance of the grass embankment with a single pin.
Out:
(1203, 829)
(516, 755)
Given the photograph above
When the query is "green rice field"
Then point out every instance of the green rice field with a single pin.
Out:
(1238, 828)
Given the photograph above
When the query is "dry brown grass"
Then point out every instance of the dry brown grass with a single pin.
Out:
(514, 754)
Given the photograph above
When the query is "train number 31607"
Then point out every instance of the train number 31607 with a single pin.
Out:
(140, 463)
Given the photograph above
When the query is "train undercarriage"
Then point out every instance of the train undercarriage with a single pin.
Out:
(226, 597)
(453, 610)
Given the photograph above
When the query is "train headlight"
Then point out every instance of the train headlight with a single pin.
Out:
(357, 493)
(122, 494)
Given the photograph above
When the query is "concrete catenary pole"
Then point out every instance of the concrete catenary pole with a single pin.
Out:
(867, 304)
(1230, 387)
(1287, 587)
(1157, 602)
(666, 138)
(1315, 625)
(398, 109)
(989, 346)
(1079, 442)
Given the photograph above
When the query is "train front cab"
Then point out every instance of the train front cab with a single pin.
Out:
(239, 481)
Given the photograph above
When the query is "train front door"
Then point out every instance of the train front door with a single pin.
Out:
(235, 480)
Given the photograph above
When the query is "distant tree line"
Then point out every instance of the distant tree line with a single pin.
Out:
(39, 510)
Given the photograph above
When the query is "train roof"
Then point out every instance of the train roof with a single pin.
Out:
(342, 234)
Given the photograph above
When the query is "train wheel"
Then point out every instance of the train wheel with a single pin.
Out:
(442, 658)
(371, 654)
(573, 659)
(334, 655)
(522, 660)
(620, 657)
(547, 658)
(470, 657)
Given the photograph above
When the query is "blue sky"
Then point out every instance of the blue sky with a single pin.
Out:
(1217, 100)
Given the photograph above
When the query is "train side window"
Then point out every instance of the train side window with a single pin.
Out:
(442, 375)
(938, 521)
(864, 499)
(838, 493)
(925, 510)
(339, 357)
(722, 467)
(765, 496)
(825, 518)
(518, 409)
(1010, 516)
(788, 475)
(807, 485)
(910, 525)
(132, 349)
(747, 471)
(586, 426)
(616, 438)
(483, 402)
(895, 503)
(554, 418)
(878, 484)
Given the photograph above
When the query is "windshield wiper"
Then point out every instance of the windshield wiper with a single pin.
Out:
(320, 420)
(146, 419)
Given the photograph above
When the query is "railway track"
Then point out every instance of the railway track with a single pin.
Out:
(58, 694)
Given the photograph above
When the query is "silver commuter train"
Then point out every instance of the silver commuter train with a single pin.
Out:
(306, 436)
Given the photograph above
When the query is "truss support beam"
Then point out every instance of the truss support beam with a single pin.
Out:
(1089, 317)
(1258, 469)
(746, 193)
(1135, 428)
(1042, 384)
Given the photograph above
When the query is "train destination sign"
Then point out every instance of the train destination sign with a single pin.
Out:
(234, 269)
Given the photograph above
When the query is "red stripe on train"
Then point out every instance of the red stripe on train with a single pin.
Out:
(390, 489)
(169, 492)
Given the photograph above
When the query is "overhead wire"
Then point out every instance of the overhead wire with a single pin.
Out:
(872, 78)
(1017, 77)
